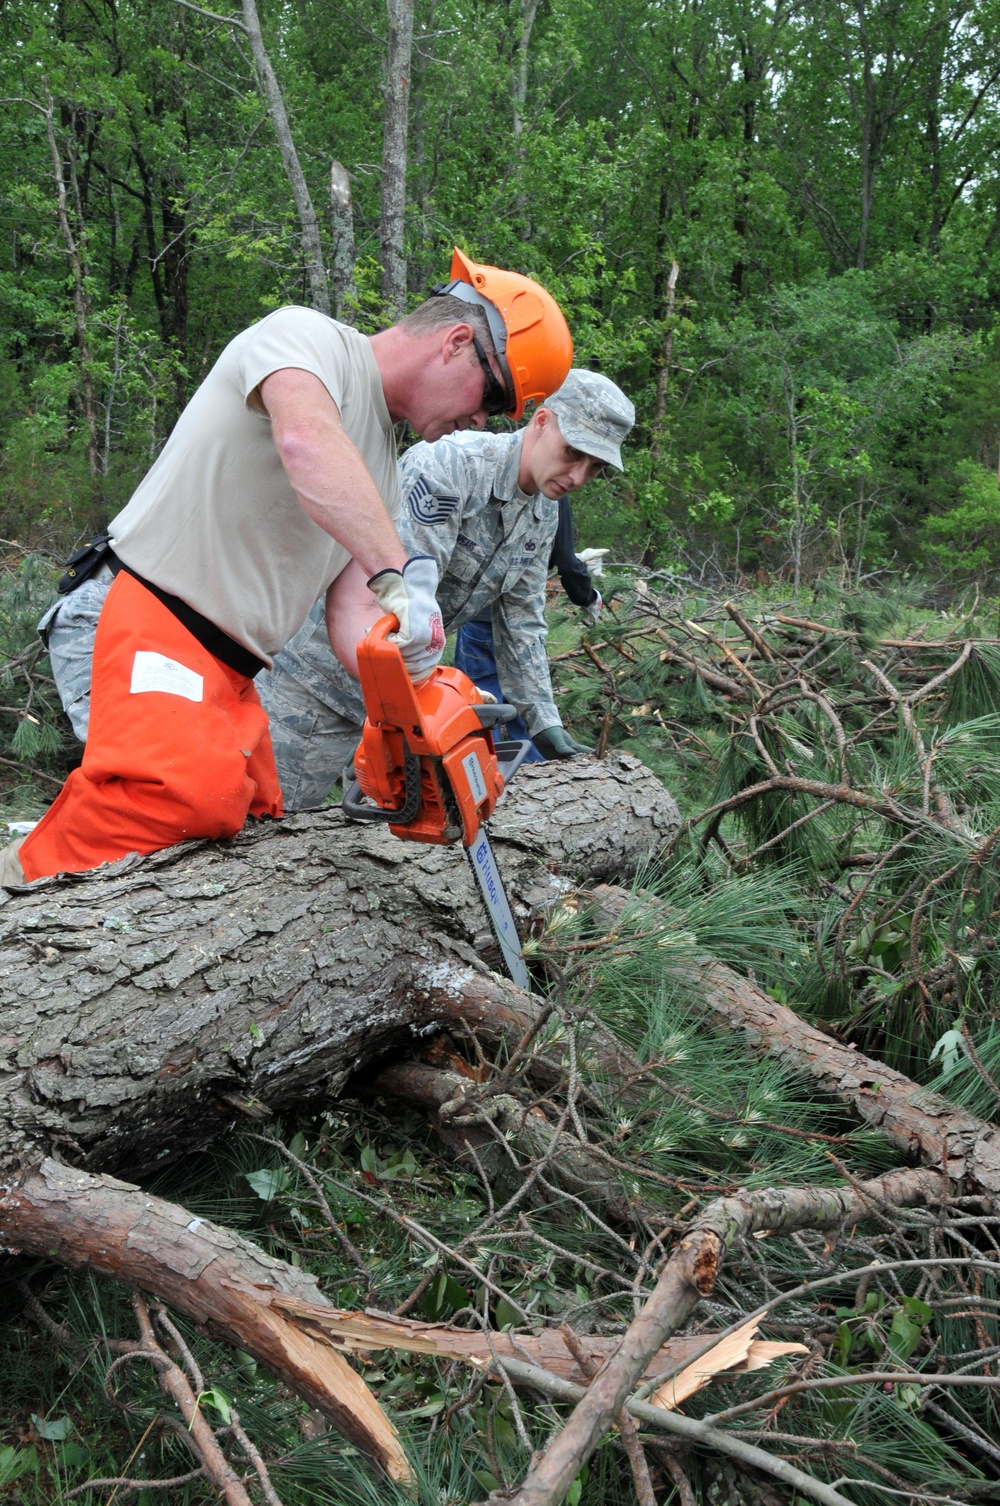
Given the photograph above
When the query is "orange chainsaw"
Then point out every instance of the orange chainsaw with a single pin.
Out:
(429, 766)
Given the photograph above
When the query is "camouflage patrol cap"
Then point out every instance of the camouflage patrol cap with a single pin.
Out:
(594, 415)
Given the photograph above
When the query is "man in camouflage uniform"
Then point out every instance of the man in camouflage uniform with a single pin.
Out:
(485, 507)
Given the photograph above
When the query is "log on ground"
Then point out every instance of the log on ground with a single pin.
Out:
(142, 1009)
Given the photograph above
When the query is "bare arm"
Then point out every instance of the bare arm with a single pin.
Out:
(326, 472)
(351, 609)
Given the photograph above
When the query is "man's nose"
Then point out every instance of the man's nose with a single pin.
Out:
(579, 471)
(478, 419)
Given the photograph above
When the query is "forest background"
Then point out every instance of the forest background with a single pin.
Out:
(777, 226)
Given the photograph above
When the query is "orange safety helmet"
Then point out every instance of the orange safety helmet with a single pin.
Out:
(530, 335)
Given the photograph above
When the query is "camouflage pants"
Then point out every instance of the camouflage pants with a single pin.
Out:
(316, 713)
(67, 629)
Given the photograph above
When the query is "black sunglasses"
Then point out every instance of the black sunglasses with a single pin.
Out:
(494, 393)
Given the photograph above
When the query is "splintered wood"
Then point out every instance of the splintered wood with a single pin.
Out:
(735, 1353)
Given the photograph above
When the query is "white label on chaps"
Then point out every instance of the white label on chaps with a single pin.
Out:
(157, 672)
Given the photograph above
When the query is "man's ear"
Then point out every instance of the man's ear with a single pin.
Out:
(457, 341)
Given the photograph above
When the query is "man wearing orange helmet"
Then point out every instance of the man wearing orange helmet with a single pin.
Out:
(278, 484)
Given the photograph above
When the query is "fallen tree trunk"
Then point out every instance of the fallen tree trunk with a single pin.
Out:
(139, 1011)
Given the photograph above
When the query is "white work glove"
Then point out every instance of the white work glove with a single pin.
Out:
(593, 559)
(409, 595)
(593, 608)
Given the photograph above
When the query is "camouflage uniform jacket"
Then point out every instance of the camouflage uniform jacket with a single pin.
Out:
(492, 542)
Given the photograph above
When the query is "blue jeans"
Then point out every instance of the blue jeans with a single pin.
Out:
(474, 657)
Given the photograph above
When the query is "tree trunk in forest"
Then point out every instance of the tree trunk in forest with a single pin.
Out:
(394, 143)
(667, 359)
(345, 292)
(311, 248)
(81, 297)
(522, 60)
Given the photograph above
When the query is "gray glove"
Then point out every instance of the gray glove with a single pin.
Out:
(593, 608)
(409, 595)
(555, 742)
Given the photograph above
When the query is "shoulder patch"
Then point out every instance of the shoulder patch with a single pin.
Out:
(427, 507)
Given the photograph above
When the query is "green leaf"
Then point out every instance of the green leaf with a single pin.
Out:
(268, 1182)
(71, 1454)
(54, 1430)
(504, 1433)
(506, 1315)
(904, 1334)
(444, 1296)
(429, 1409)
(216, 1399)
(401, 1164)
(15, 1462)
(576, 1489)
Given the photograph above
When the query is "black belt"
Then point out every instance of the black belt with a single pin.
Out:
(207, 633)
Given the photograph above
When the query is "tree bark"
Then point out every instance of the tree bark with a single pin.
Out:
(140, 1010)
(81, 297)
(522, 62)
(345, 293)
(666, 360)
(311, 247)
(394, 147)
(225, 1283)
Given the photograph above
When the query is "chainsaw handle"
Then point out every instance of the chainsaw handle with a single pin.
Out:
(511, 755)
(492, 714)
(355, 807)
(383, 628)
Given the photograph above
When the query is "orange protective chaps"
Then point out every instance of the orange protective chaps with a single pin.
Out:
(178, 746)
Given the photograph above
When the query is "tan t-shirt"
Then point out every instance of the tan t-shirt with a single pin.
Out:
(215, 520)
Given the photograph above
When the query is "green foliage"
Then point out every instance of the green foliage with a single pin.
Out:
(966, 538)
(832, 358)
(872, 825)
